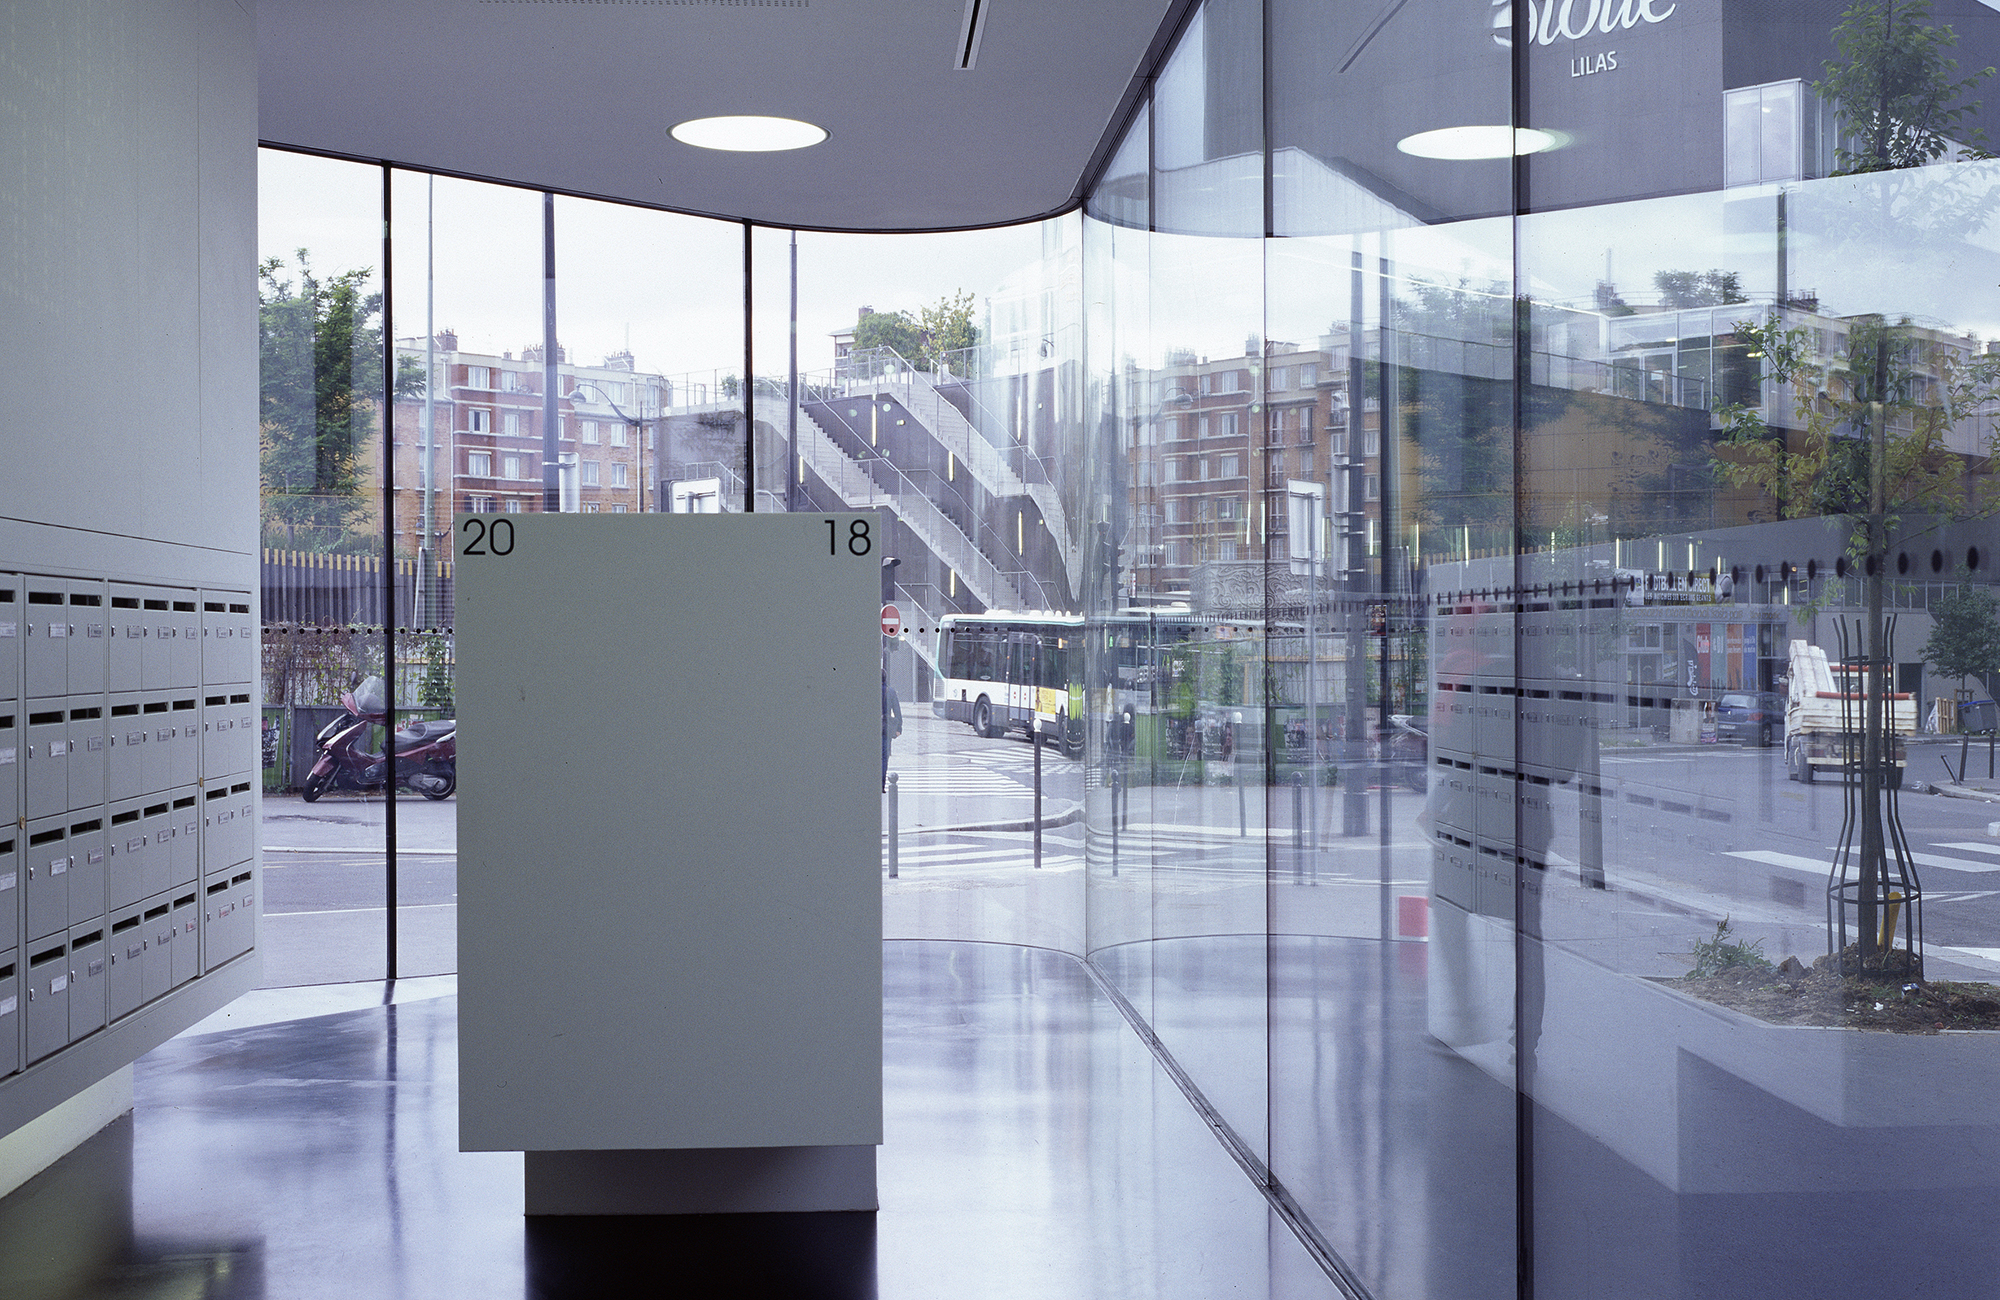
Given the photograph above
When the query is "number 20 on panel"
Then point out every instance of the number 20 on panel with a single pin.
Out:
(482, 538)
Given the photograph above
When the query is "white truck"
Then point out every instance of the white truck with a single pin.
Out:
(1824, 713)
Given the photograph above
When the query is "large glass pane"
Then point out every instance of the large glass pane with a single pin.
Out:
(1755, 511)
(469, 415)
(320, 318)
(1180, 625)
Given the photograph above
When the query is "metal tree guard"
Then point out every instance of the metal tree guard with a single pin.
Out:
(1897, 892)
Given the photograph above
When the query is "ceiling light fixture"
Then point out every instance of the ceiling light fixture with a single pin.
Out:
(748, 134)
(1466, 143)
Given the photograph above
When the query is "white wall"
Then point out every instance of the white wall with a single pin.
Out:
(128, 401)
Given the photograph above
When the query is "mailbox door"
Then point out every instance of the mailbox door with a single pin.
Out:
(89, 982)
(157, 965)
(47, 1011)
(10, 1011)
(184, 740)
(156, 641)
(47, 763)
(45, 637)
(10, 889)
(184, 644)
(156, 826)
(125, 963)
(86, 870)
(45, 878)
(10, 762)
(125, 749)
(156, 754)
(125, 646)
(88, 636)
(185, 919)
(186, 841)
(86, 756)
(125, 853)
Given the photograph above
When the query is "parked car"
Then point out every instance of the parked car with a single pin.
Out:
(1750, 719)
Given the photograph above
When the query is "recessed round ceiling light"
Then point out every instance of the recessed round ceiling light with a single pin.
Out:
(1465, 143)
(748, 134)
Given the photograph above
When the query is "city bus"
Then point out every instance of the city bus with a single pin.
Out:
(1002, 671)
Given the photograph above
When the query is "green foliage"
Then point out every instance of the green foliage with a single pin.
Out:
(434, 688)
(1887, 375)
(1898, 88)
(896, 330)
(1698, 288)
(947, 327)
(320, 376)
(731, 386)
(926, 339)
(1965, 635)
(1716, 955)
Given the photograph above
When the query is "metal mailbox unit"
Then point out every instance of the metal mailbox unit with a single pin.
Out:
(108, 759)
(728, 1036)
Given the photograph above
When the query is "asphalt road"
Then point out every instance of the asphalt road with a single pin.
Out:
(1692, 834)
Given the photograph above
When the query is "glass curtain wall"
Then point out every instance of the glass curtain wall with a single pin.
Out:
(1486, 517)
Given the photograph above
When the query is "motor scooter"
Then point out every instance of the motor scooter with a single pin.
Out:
(426, 753)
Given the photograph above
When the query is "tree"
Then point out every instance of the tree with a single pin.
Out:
(320, 375)
(1698, 288)
(896, 330)
(1871, 450)
(947, 328)
(1899, 93)
(1965, 636)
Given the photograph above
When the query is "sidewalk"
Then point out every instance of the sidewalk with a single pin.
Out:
(351, 823)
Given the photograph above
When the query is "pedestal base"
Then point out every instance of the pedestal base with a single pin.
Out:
(729, 1180)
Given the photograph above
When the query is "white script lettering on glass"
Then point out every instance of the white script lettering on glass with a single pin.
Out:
(1573, 20)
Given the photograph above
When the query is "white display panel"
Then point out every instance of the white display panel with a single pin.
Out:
(669, 831)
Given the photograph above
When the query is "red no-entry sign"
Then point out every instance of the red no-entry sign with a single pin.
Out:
(892, 622)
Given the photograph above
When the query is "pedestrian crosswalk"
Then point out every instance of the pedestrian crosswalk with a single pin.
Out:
(1819, 867)
(955, 779)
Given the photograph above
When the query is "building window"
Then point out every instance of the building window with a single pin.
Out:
(617, 435)
(516, 506)
(479, 505)
(590, 508)
(1172, 468)
(1374, 442)
(479, 464)
(1305, 462)
(1228, 467)
(1372, 487)
(1281, 378)
(1201, 427)
(590, 473)
(1309, 374)
(513, 381)
(619, 510)
(510, 423)
(510, 467)
(618, 474)
(478, 421)
(590, 431)
(1226, 426)
(479, 376)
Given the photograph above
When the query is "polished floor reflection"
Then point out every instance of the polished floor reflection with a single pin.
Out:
(1034, 1149)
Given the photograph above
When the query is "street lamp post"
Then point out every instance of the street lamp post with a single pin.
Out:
(638, 424)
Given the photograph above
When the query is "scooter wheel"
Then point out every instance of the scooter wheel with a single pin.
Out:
(439, 796)
(317, 784)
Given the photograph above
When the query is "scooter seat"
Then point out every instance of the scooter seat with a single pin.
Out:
(424, 733)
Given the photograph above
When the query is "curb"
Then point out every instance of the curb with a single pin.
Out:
(1952, 791)
(1072, 814)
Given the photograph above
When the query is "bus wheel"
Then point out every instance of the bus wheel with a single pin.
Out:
(982, 718)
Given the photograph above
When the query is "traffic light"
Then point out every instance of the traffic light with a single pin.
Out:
(1106, 557)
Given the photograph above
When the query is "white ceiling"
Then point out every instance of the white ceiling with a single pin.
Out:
(577, 95)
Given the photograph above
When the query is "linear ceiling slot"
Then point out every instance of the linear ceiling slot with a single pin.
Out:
(969, 32)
